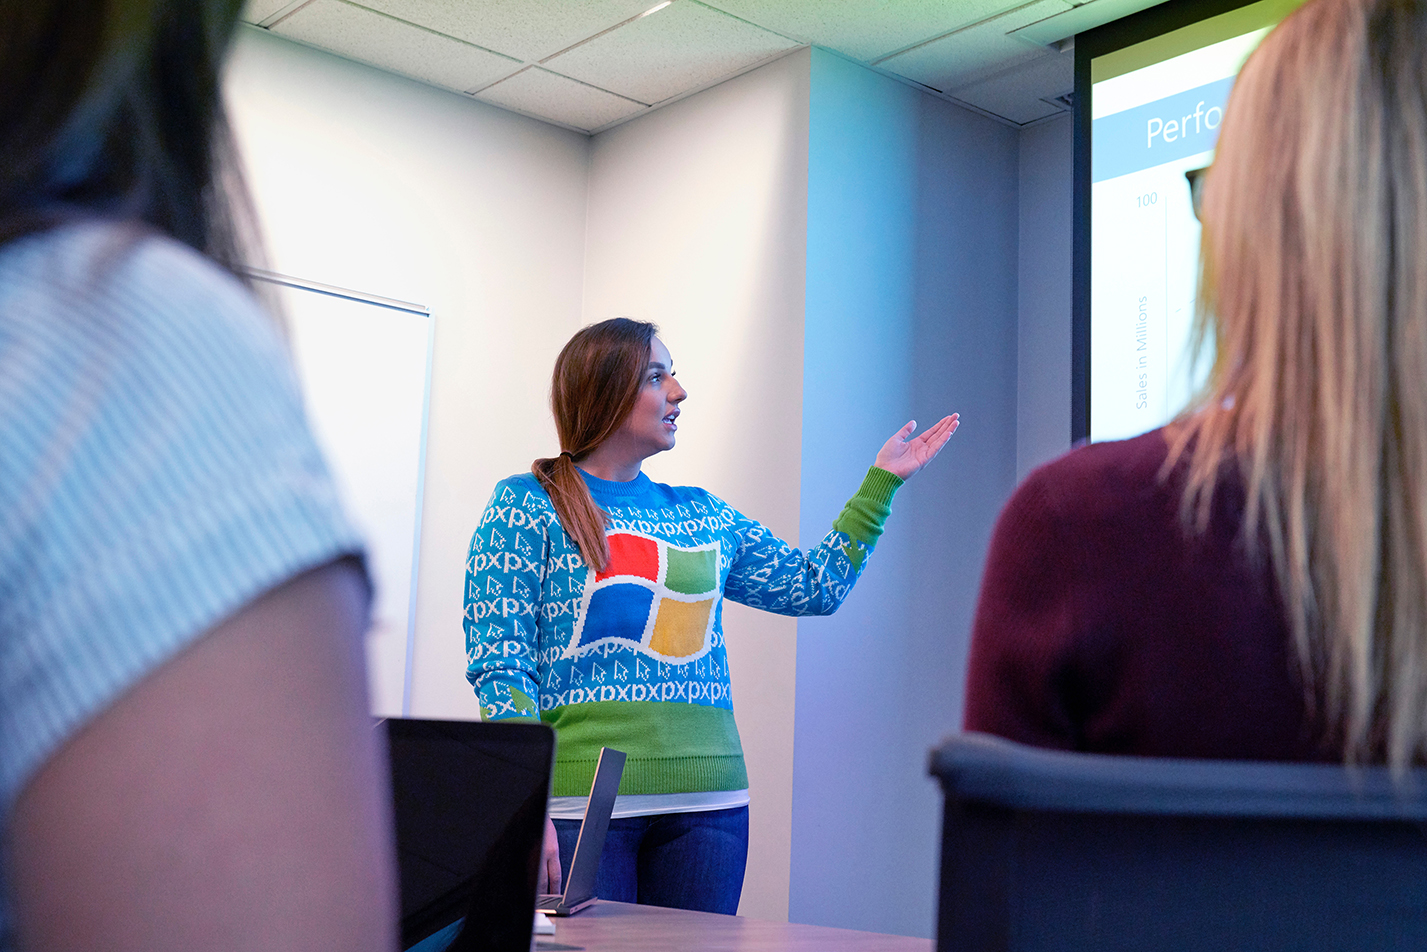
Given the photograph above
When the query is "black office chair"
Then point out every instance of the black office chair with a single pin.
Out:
(1061, 851)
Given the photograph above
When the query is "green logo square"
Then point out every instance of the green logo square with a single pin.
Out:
(692, 573)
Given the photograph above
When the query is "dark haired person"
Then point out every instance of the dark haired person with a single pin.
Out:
(186, 758)
(1250, 582)
(594, 601)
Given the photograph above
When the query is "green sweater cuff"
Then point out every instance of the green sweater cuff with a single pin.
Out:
(879, 486)
(866, 512)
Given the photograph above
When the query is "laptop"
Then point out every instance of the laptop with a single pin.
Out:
(469, 802)
(585, 864)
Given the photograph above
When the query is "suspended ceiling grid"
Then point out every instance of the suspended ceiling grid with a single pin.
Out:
(592, 64)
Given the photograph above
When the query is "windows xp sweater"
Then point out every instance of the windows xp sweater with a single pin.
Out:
(633, 657)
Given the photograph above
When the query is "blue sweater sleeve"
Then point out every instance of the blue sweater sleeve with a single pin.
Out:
(504, 572)
(769, 574)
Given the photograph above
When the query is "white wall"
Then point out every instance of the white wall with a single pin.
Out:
(697, 221)
(368, 181)
(1043, 365)
(911, 313)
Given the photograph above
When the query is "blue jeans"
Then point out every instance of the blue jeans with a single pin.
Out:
(681, 860)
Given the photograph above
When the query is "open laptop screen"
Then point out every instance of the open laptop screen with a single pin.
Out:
(469, 800)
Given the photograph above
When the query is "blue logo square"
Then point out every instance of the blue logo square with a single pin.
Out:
(617, 611)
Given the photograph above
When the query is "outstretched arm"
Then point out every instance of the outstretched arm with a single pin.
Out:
(772, 575)
(235, 799)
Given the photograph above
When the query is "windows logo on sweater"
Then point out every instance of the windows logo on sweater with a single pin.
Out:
(654, 597)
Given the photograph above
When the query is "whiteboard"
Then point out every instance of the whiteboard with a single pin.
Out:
(364, 363)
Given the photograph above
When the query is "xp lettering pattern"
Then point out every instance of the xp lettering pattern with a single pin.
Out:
(634, 654)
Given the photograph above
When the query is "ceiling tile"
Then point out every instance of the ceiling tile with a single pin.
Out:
(357, 33)
(967, 55)
(256, 11)
(864, 30)
(1017, 94)
(538, 92)
(682, 47)
(525, 29)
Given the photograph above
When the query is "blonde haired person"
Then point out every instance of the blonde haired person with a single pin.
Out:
(1251, 581)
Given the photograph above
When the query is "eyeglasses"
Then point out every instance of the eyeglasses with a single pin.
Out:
(1196, 188)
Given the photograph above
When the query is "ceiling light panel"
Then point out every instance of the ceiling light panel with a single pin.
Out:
(538, 92)
(1017, 94)
(358, 33)
(682, 47)
(968, 55)
(526, 29)
(864, 30)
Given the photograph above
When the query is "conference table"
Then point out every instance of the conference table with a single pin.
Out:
(624, 927)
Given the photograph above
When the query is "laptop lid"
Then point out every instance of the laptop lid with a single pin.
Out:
(585, 864)
(469, 802)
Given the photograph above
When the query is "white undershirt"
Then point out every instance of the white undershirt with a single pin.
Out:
(648, 804)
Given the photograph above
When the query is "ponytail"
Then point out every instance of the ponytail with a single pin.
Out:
(593, 390)
(583, 520)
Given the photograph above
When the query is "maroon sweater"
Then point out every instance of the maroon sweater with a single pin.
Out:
(1105, 626)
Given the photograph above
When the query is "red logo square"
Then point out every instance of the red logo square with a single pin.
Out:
(631, 555)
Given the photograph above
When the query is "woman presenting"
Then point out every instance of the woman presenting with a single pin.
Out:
(594, 603)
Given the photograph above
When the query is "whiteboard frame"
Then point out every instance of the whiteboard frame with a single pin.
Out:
(302, 284)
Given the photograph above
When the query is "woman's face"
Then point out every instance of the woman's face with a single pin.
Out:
(650, 426)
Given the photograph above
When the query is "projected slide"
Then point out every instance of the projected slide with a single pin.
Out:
(1148, 127)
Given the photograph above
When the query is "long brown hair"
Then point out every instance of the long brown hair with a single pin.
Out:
(1315, 287)
(596, 382)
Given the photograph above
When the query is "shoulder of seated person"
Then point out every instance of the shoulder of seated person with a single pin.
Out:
(96, 257)
(140, 296)
(1097, 476)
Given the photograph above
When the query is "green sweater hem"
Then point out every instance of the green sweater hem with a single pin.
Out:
(670, 747)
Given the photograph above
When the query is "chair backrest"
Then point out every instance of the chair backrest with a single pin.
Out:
(1047, 850)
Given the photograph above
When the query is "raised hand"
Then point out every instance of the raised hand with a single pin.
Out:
(903, 455)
